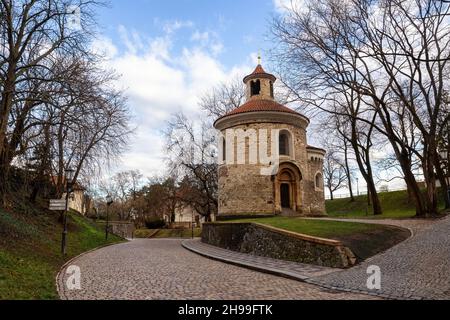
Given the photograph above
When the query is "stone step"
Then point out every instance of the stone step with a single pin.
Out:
(290, 213)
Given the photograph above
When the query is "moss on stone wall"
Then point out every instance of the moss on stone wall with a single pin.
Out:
(268, 242)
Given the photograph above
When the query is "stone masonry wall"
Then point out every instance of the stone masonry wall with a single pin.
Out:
(274, 243)
(265, 90)
(121, 229)
(243, 190)
(316, 196)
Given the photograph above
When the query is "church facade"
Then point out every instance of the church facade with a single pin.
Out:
(266, 165)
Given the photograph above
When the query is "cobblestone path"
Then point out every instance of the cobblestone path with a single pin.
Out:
(162, 269)
(418, 268)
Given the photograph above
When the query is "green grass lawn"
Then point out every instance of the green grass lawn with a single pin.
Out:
(317, 228)
(168, 233)
(365, 240)
(30, 254)
(395, 205)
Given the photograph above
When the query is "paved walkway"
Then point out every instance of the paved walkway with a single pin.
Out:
(418, 268)
(163, 269)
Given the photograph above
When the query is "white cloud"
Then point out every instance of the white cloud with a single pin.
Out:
(200, 36)
(161, 47)
(132, 40)
(104, 47)
(171, 26)
(284, 5)
(208, 40)
(160, 82)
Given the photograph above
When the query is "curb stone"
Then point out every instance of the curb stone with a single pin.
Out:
(267, 270)
(297, 277)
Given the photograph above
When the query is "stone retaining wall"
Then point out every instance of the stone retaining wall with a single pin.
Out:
(265, 241)
(121, 229)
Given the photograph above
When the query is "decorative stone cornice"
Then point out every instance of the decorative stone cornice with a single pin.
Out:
(231, 121)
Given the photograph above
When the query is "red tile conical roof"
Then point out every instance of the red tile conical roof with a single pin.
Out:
(259, 73)
(261, 105)
(258, 103)
(259, 69)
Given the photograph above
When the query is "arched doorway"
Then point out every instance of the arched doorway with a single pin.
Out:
(285, 194)
(287, 188)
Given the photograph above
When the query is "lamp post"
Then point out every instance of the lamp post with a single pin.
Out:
(192, 224)
(69, 174)
(109, 201)
(357, 186)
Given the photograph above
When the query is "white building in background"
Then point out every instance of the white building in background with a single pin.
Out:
(78, 200)
(185, 215)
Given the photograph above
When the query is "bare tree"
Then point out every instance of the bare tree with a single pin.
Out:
(350, 132)
(337, 133)
(136, 181)
(391, 54)
(223, 98)
(193, 155)
(92, 127)
(334, 173)
(33, 34)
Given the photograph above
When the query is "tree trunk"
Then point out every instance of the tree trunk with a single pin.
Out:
(3, 183)
(373, 198)
(366, 171)
(331, 194)
(415, 191)
(405, 163)
(444, 187)
(5, 110)
(347, 170)
(430, 180)
(6, 101)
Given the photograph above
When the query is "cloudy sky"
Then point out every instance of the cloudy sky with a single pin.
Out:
(170, 52)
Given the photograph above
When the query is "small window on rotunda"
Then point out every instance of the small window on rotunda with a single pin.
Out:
(255, 87)
(319, 181)
(284, 144)
(224, 149)
(271, 89)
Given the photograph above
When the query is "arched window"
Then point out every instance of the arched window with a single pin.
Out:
(284, 144)
(224, 149)
(319, 181)
(255, 87)
(271, 89)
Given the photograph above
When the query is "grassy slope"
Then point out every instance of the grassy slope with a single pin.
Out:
(30, 251)
(394, 204)
(317, 228)
(365, 240)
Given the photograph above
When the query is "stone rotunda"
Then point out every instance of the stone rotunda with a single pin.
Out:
(255, 179)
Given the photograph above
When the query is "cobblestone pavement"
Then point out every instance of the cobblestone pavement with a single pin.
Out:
(298, 271)
(418, 268)
(162, 269)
